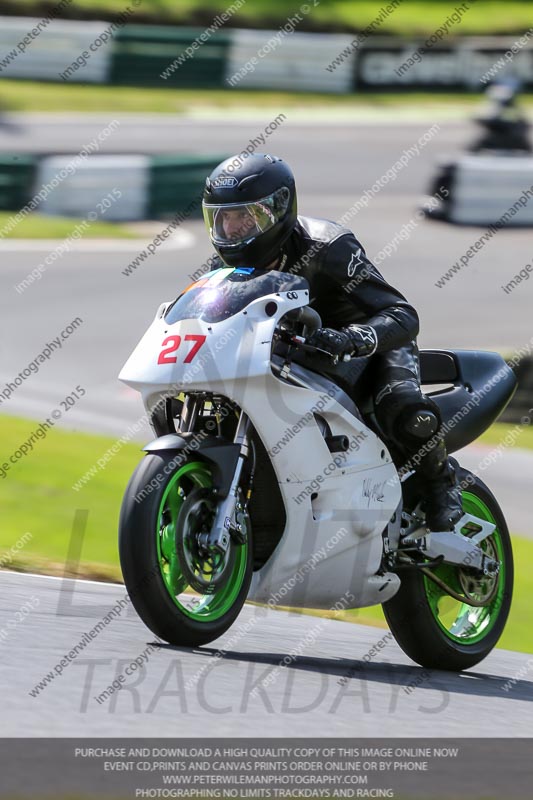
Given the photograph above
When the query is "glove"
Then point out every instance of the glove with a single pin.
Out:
(355, 340)
(363, 339)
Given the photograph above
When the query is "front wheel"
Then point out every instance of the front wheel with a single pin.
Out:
(435, 629)
(186, 594)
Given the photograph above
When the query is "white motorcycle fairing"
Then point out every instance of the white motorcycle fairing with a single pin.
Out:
(338, 504)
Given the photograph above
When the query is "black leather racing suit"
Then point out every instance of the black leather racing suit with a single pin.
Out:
(346, 288)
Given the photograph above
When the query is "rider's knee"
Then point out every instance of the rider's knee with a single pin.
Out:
(406, 415)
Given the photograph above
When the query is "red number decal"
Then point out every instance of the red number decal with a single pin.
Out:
(174, 342)
(198, 342)
(164, 355)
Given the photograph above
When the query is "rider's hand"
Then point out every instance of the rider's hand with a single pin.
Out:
(363, 340)
(355, 340)
(334, 342)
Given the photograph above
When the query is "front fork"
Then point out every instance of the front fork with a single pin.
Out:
(229, 518)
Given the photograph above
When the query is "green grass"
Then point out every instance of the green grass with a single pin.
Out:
(497, 432)
(36, 497)
(411, 17)
(54, 97)
(38, 226)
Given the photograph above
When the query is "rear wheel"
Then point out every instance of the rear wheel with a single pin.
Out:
(183, 591)
(441, 632)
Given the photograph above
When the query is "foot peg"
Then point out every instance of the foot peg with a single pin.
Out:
(455, 547)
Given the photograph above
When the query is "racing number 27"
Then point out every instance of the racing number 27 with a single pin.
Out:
(174, 342)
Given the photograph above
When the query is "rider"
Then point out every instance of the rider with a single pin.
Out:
(250, 210)
(505, 126)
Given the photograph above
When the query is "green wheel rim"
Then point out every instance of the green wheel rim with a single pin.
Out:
(460, 622)
(203, 608)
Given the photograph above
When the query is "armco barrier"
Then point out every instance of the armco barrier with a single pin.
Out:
(265, 60)
(79, 193)
(141, 53)
(176, 182)
(485, 187)
(385, 63)
(138, 55)
(17, 176)
(149, 187)
(300, 61)
(53, 50)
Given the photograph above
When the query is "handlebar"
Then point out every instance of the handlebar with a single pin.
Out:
(308, 317)
(311, 321)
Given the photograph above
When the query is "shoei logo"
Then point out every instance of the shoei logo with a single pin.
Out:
(224, 183)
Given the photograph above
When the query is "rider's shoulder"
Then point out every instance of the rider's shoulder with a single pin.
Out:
(321, 230)
(325, 231)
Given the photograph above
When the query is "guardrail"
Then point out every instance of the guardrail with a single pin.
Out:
(56, 47)
(166, 56)
(141, 53)
(17, 177)
(149, 187)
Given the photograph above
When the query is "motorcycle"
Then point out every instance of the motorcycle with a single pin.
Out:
(461, 187)
(269, 479)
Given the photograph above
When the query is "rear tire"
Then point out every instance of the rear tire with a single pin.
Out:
(155, 574)
(434, 629)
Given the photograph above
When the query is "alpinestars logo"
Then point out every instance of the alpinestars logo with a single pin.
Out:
(355, 261)
(368, 336)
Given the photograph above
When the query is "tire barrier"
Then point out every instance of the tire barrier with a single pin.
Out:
(486, 188)
(142, 186)
(124, 53)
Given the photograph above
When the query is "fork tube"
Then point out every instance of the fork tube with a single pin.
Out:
(219, 536)
(191, 411)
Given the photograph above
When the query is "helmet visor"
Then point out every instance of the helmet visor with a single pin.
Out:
(233, 223)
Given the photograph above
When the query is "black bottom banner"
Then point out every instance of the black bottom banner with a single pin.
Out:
(443, 769)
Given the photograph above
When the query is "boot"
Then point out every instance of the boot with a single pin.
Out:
(443, 500)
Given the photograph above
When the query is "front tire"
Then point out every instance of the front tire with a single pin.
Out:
(438, 631)
(159, 567)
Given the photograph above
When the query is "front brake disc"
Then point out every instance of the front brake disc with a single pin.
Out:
(204, 569)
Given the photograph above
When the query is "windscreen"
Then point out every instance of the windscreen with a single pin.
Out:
(226, 291)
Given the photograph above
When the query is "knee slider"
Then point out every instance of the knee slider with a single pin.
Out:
(418, 422)
(408, 416)
(421, 424)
